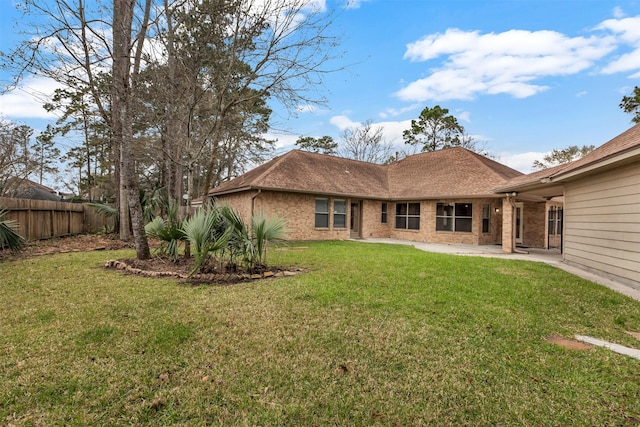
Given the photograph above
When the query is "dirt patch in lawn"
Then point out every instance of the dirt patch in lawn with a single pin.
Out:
(568, 343)
(634, 334)
(78, 243)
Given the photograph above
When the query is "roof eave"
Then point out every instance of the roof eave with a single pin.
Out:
(448, 196)
(600, 164)
(298, 191)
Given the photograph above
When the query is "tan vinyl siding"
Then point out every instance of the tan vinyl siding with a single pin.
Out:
(602, 222)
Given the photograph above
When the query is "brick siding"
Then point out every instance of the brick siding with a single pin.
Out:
(299, 211)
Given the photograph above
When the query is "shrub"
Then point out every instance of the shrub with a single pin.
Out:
(168, 231)
(207, 233)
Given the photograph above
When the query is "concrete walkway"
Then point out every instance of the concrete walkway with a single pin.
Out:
(552, 257)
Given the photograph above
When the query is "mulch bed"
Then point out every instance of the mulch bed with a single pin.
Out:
(161, 267)
(156, 266)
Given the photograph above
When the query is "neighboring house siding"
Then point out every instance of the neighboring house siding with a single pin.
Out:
(602, 223)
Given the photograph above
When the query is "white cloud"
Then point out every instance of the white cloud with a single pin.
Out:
(618, 13)
(283, 140)
(581, 94)
(343, 122)
(521, 162)
(27, 99)
(392, 129)
(393, 132)
(464, 116)
(510, 62)
(355, 4)
(393, 112)
(627, 30)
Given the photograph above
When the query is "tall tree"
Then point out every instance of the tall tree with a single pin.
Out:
(211, 66)
(124, 74)
(631, 104)
(277, 48)
(68, 41)
(366, 143)
(434, 129)
(324, 144)
(81, 122)
(15, 160)
(45, 154)
(562, 156)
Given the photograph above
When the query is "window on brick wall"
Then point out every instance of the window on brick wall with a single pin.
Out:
(408, 216)
(454, 217)
(339, 214)
(486, 218)
(559, 219)
(555, 220)
(383, 214)
(322, 213)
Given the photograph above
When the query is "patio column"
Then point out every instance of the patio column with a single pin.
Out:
(508, 225)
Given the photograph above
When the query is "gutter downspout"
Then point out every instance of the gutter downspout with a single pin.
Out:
(253, 200)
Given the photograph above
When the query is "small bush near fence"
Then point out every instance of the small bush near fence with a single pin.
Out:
(43, 219)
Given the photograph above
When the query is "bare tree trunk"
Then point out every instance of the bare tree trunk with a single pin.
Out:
(121, 106)
(121, 198)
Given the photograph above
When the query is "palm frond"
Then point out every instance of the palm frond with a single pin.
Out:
(169, 234)
(263, 231)
(104, 210)
(9, 236)
(203, 231)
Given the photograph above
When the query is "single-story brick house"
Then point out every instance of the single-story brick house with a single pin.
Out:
(445, 196)
(601, 206)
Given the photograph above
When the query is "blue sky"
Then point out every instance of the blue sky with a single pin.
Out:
(523, 76)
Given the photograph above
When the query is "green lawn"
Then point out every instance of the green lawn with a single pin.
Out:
(372, 334)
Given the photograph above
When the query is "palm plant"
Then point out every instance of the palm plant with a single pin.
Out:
(239, 239)
(263, 231)
(168, 231)
(9, 237)
(251, 243)
(207, 233)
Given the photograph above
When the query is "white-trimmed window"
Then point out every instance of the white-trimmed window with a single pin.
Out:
(339, 214)
(552, 220)
(408, 216)
(383, 213)
(555, 220)
(322, 213)
(454, 217)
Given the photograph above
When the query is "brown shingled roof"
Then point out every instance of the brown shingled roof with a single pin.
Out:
(454, 172)
(626, 141)
(303, 171)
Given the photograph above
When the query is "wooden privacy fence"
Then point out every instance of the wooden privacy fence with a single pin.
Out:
(43, 219)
